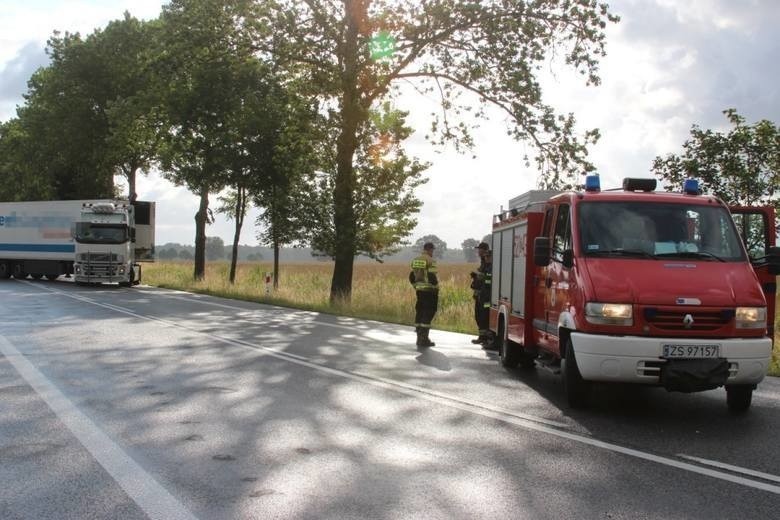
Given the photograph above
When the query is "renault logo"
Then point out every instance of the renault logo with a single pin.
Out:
(688, 321)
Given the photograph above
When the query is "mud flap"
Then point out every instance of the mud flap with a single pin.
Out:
(694, 375)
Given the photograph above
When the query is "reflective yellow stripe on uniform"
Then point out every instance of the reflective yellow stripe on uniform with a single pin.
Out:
(419, 264)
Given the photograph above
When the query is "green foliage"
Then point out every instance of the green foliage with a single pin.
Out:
(85, 118)
(204, 62)
(487, 52)
(742, 166)
(383, 191)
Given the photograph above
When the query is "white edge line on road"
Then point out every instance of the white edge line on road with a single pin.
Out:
(527, 422)
(729, 467)
(141, 487)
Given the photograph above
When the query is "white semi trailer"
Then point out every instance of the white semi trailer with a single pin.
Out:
(97, 241)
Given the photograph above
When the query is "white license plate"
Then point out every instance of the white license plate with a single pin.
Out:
(683, 351)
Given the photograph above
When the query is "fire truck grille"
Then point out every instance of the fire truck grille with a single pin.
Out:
(693, 320)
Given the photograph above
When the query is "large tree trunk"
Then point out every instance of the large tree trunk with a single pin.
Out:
(234, 254)
(276, 264)
(201, 217)
(240, 212)
(343, 193)
(130, 173)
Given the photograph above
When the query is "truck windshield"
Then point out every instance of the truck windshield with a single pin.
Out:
(89, 233)
(652, 230)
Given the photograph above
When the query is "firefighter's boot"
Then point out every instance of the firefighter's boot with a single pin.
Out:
(420, 337)
(426, 340)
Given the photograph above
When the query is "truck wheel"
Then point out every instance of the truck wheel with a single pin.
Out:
(508, 352)
(19, 273)
(5, 270)
(52, 277)
(575, 388)
(36, 276)
(738, 397)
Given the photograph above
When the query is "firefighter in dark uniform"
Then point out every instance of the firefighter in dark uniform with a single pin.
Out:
(481, 284)
(426, 284)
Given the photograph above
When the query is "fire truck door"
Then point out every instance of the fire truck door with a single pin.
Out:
(553, 283)
(756, 227)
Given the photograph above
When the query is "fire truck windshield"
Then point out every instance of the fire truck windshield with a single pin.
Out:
(89, 233)
(650, 229)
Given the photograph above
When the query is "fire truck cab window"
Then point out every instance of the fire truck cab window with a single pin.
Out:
(562, 237)
(643, 228)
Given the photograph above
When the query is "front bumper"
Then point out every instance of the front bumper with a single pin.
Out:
(635, 359)
(100, 272)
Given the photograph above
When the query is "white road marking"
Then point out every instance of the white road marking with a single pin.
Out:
(522, 420)
(141, 487)
(729, 467)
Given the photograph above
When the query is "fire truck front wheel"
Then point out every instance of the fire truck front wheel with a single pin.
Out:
(508, 352)
(738, 397)
(575, 388)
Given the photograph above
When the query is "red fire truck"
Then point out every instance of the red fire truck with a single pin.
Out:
(634, 285)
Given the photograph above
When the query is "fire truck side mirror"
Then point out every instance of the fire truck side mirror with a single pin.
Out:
(542, 251)
(568, 258)
(773, 260)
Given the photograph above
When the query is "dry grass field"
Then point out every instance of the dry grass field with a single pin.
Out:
(380, 291)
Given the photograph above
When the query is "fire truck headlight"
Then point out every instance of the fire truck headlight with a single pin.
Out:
(609, 313)
(751, 317)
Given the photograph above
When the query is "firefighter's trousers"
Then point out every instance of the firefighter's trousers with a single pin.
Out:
(425, 309)
(482, 317)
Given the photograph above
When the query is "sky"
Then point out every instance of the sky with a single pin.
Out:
(670, 64)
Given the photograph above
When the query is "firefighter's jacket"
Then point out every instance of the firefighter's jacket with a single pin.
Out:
(482, 282)
(423, 274)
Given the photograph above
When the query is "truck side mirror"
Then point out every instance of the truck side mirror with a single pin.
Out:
(568, 258)
(773, 260)
(542, 251)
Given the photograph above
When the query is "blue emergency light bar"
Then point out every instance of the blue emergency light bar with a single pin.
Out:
(691, 187)
(592, 183)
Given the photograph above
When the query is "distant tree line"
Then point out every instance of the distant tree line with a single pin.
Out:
(217, 250)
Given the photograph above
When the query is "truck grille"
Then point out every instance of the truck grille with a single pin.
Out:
(674, 319)
(99, 264)
(98, 257)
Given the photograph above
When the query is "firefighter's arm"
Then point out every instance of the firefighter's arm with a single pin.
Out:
(486, 289)
(432, 278)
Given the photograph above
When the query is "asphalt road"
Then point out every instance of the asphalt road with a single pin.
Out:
(151, 403)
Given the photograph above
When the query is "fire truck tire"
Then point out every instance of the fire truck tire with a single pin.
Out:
(5, 270)
(575, 388)
(52, 277)
(508, 352)
(36, 276)
(738, 397)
